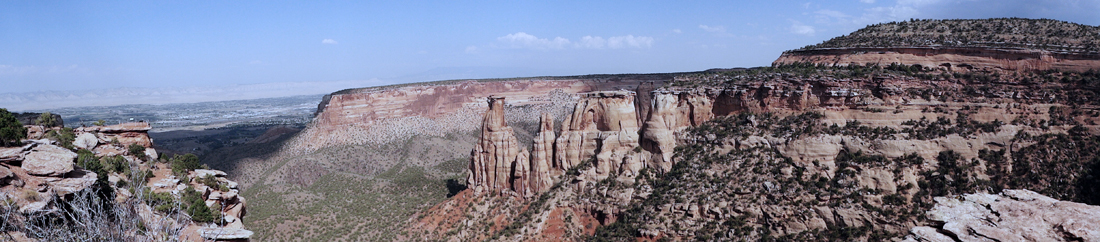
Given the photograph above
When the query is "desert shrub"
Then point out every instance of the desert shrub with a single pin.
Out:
(64, 137)
(181, 164)
(137, 150)
(209, 181)
(200, 212)
(11, 130)
(116, 164)
(47, 119)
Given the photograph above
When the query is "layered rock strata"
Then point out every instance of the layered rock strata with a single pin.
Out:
(950, 58)
(382, 114)
(125, 133)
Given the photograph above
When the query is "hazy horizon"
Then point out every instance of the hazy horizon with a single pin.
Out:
(59, 55)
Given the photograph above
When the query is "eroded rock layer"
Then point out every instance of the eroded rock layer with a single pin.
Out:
(953, 59)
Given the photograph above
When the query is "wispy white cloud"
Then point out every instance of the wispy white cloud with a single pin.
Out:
(713, 29)
(799, 28)
(616, 42)
(590, 42)
(524, 40)
(677, 31)
(867, 1)
(14, 70)
(629, 41)
(30, 70)
(471, 49)
(328, 41)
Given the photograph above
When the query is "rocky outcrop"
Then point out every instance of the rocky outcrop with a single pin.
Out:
(226, 195)
(1013, 215)
(43, 181)
(124, 133)
(674, 111)
(45, 172)
(604, 125)
(494, 161)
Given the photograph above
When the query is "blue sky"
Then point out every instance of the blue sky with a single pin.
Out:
(80, 45)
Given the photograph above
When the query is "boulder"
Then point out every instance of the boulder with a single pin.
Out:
(86, 141)
(151, 153)
(49, 160)
(5, 173)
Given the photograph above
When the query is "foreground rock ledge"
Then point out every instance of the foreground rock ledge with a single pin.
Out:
(224, 233)
(1013, 215)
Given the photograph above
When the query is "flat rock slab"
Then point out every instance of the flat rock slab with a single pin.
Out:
(200, 173)
(9, 154)
(49, 160)
(77, 180)
(1013, 215)
(224, 233)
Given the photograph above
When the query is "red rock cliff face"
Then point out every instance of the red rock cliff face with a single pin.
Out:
(383, 114)
(951, 58)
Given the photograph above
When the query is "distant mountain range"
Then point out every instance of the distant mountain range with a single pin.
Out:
(165, 95)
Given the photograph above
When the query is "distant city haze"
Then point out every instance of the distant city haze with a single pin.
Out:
(91, 53)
